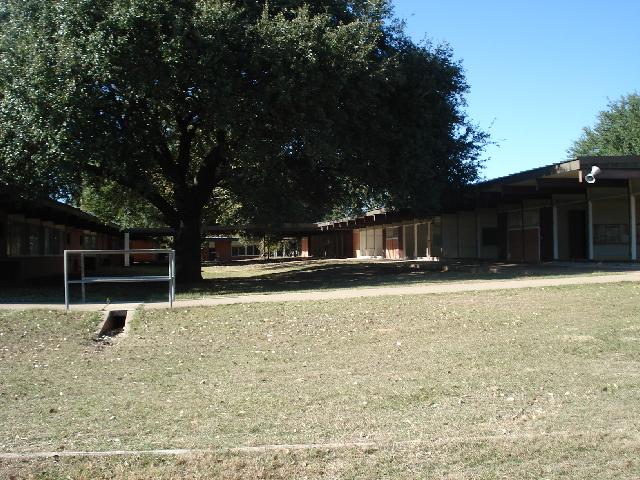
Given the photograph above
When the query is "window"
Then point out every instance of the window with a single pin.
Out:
(611, 234)
(15, 238)
(392, 233)
(89, 241)
(35, 239)
(245, 250)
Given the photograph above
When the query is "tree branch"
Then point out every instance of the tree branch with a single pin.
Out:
(206, 178)
(144, 189)
(163, 154)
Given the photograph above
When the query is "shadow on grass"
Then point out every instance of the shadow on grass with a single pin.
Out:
(321, 274)
(287, 275)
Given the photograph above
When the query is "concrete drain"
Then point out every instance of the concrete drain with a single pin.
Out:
(115, 323)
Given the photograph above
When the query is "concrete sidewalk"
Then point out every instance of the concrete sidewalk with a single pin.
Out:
(423, 289)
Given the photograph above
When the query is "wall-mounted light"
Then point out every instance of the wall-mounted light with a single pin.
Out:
(591, 177)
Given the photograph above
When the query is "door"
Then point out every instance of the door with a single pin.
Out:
(577, 235)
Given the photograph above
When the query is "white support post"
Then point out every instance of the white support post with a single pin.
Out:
(556, 253)
(404, 241)
(173, 275)
(443, 250)
(633, 229)
(171, 278)
(428, 252)
(590, 228)
(127, 257)
(415, 240)
(82, 278)
(66, 282)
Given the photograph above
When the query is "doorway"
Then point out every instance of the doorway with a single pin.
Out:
(577, 235)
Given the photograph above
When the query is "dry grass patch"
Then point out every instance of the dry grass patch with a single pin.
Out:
(528, 366)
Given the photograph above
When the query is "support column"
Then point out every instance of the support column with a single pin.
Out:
(404, 243)
(127, 259)
(478, 237)
(415, 240)
(590, 229)
(428, 253)
(556, 253)
(633, 229)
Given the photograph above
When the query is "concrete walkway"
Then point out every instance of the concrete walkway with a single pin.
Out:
(421, 289)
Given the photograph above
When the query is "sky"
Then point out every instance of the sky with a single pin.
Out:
(539, 71)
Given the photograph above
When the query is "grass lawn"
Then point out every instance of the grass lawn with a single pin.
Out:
(535, 383)
(246, 277)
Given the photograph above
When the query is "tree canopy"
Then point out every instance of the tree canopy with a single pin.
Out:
(616, 132)
(288, 108)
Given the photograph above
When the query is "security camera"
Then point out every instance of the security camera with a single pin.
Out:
(591, 177)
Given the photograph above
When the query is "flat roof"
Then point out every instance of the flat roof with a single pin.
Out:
(566, 168)
(52, 210)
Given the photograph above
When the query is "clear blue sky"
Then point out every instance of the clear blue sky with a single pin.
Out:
(539, 70)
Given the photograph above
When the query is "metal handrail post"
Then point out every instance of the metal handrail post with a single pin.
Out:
(66, 283)
(172, 278)
(170, 275)
(84, 280)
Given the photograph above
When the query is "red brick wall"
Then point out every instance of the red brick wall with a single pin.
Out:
(223, 250)
(356, 243)
(304, 247)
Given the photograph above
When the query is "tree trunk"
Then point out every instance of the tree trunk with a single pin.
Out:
(188, 244)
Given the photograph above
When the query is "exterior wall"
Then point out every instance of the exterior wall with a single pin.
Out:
(422, 240)
(611, 232)
(223, 250)
(32, 248)
(143, 244)
(371, 242)
(333, 244)
(450, 236)
(356, 243)
(488, 234)
(467, 235)
(435, 238)
(409, 241)
(523, 225)
(393, 237)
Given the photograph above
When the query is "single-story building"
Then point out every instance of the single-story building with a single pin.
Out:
(582, 209)
(34, 234)
(556, 212)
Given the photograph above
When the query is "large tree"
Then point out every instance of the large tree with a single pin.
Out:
(288, 107)
(616, 131)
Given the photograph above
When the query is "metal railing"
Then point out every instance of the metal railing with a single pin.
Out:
(84, 280)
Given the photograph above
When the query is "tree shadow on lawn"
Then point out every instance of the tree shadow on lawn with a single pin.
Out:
(316, 275)
(305, 275)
